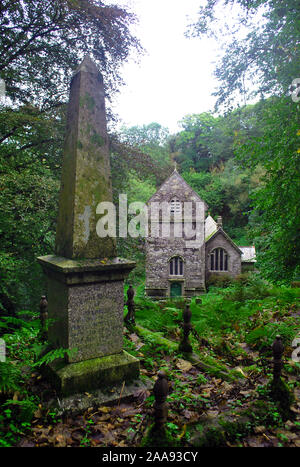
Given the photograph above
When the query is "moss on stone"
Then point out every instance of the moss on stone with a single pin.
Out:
(215, 432)
(210, 365)
(90, 267)
(94, 373)
(211, 437)
(158, 438)
(87, 100)
(97, 139)
(282, 396)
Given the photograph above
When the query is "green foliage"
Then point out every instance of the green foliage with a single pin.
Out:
(157, 317)
(220, 281)
(159, 438)
(23, 410)
(201, 379)
(19, 336)
(261, 54)
(52, 355)
(148, 136)
(10, 377)
(211, 438)
(28, 207)
(264, 61)
(263, 336)
(139, 190)
(279, 394)
(203, 143)
(244, 308)
(274, 225)
(25, 352)
(144, 153)
(226, 191)
(41, 43)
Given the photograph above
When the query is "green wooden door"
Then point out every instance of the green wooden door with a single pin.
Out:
(176, 289)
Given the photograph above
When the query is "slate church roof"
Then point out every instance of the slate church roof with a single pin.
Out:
(248, 254)
(210, 227)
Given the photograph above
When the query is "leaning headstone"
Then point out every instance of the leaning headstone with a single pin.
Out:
(85, 279)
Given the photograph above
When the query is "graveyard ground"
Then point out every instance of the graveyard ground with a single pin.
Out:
(218, 396)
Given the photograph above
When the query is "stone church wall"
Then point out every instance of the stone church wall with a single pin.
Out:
(234, 258)
(160, 250)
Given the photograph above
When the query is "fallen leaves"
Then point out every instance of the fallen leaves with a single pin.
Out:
(60, 441)
(259, 429)
(183, 365)
(240, 370)
(193, 393)
(104, 409)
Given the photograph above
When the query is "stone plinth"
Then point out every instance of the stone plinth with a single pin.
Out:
(97, 373)
(86, 302)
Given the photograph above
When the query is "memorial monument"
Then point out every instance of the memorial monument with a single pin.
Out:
(85, 278)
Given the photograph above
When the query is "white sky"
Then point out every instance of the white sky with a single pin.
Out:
(175, 77)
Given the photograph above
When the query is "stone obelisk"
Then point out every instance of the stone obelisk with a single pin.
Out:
(85, 279)
(86, 176)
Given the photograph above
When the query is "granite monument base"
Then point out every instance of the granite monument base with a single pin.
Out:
(97, 373)
(119, 393)
(85, 310)
(85, 305)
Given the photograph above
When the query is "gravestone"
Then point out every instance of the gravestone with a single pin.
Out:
(85, 279)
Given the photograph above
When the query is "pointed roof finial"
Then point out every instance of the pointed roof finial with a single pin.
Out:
(175, 166)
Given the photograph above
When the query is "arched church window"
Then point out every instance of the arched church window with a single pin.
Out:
(176, 266)
(175, 206)
(219, 260)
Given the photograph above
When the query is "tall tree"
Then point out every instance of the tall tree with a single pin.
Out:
(263, 60)
(260, 42)
(275, 220)
(204, 142)
(41, 43)
(151, 143)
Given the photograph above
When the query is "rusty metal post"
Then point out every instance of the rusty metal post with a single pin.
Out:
(161, 391)
(184, 345)
(43, 317)
(278, 350)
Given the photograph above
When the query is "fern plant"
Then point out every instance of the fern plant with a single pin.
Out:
(10, 378)
(24, 348)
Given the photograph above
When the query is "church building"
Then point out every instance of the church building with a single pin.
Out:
(185, 246)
